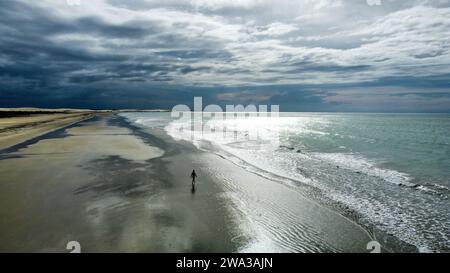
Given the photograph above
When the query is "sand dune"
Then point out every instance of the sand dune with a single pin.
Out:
(16, 129)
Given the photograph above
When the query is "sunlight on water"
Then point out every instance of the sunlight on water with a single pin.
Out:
(391, 169)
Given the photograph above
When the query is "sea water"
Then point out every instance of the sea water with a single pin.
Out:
(391, 169)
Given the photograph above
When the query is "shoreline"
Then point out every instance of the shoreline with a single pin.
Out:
(117, 187)
(213, 157)
(389, 243)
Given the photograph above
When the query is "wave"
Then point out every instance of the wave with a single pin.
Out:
(361, 165)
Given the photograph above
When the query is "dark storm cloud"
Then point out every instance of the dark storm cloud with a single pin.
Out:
(98, 27)
(300, 54)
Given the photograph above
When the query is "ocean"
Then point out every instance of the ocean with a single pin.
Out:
(391, 170)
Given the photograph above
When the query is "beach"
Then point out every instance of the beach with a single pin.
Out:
(113, 186)
(309, 127)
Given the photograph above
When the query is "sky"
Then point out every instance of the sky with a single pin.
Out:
(304, 55)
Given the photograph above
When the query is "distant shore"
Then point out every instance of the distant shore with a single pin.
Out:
(21, 124)
(17, 127)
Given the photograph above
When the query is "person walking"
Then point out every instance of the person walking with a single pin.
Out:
(193, 176)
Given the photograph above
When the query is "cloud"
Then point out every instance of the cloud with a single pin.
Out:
(49, 45)
(274, 29)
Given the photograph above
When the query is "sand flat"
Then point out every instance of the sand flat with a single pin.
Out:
(76, 185)
(96, 140)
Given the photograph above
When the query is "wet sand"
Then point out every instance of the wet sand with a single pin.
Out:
(114, 187)
(99, 184)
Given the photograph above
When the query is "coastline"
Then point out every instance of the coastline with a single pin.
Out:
(313, 218)
(116, 187)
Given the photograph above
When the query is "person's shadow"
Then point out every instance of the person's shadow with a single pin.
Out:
(193, 188)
